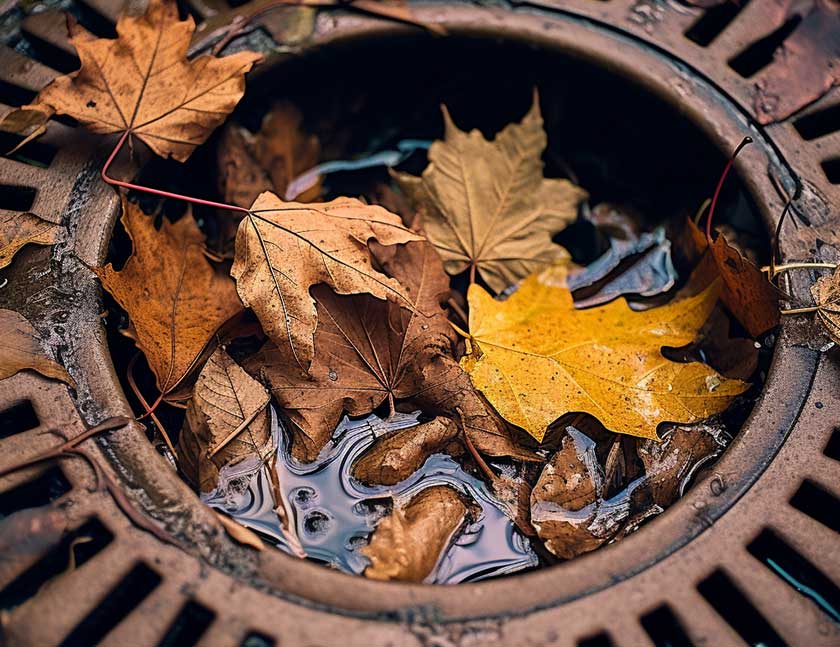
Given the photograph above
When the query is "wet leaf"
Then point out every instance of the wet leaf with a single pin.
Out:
(568, 509)
(485, 204)
(535, 357)
(227, 420)
(745, 290)
(269, 160)
(671, 463)
(176, 300)
(407, 544)
(240, 533)
(826, 293)
(284, 248)
(804, 66)
(142, 82)
(21, 350)
(22, 228)
(394, 458)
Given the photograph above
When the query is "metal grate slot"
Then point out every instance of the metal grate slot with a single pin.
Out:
(817, 504)
(797, 571)
(15, 95)
(712, 23)
(819, 123)
(115, 606)
(49, 486)
(16, 198)
(831, 168)
(36, 153)
(80, 545)
(255, 639)
(599, 640)
(46, 37)
(832, 449)
(190, 624)
(665, 629)
(733, 606)
(758, 55)
(18, 418)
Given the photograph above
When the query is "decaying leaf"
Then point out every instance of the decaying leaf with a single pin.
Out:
(408, 543)
(671, 463)
(141, 82)
(22, 228)
(826, 293)
(568, 510)
(250, 164)
(176, 300)
(20, 350)
(535, 357)
(486, 206)
(327, 243)
(227, 420)
(804, 66)
(745, 290)
(240, 533)
(394, 458)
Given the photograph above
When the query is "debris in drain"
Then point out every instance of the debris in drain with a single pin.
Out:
(442, 380)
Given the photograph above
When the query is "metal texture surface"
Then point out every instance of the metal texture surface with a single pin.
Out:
(698, 574)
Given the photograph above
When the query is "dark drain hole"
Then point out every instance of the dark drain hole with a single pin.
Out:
(600, 640)
(18, 418)
(760, 53)
(664, 629)
(818, 123)
(731, 605)
(818, 504)
(16, 198)
(797, 571)
(14, 95)
(115, 606)
(831, 168)
(832, 449)
(712, 23)
(255, 639)
(85, 542)
(35, 153)
(45, 52)
(40, 491)
(189, 626)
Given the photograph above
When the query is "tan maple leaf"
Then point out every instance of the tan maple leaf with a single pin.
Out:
(284, 248)
(142, 83)
(22, 228)
(485, 204)
(175, 299)
(535, 357)
(826, 293)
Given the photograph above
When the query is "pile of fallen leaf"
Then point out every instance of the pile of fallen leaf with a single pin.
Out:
(567, 388)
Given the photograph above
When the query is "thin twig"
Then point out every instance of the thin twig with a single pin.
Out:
(458, 310)
(483, 466)
(149, 411)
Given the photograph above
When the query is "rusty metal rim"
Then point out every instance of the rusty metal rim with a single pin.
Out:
(787, 384)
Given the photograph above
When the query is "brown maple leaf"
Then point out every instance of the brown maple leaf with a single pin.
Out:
(283, 248)
(826, 293)
(142, 83)
(22, 228)
(486, 206)
(176, 300)
(20, 349)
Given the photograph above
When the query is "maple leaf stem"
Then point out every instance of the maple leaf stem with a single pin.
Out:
(799, 311)
(744, 142)
(165, 194)
(775, 270)
(472, 273)
(483, 466)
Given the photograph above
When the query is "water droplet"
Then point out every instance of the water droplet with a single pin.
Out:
(316, 523)
(332, 375)
(303, 497)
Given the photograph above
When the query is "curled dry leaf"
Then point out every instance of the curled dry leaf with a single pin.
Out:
(408, 543)
(485, 205)
(329, 245)
(568, 510)
(227, 420)
(394, 458)
(826, 293)
(745, 290)
(671, 463)
(535, 357)
(250, 164)
(240, 533)
(20, 350)
(141, 82)
(22, 228)
(175, 299)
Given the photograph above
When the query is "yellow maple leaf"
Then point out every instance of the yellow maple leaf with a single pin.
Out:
(535, 358)
(142, 82)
